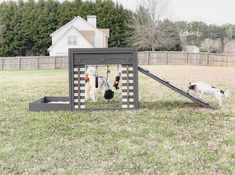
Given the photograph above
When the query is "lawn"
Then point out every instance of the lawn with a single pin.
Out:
(168, 135)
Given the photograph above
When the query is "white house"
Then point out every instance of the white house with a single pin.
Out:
(191, 49)
(78, 33)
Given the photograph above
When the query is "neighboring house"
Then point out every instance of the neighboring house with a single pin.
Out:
(191, 49)
(78, 33)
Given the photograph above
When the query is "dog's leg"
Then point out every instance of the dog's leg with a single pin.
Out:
(87, 91)
(218, 97)
(93, 94)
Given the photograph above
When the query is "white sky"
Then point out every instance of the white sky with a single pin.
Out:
(209, 11)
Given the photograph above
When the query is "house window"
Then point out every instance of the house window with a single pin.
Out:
(72, 40)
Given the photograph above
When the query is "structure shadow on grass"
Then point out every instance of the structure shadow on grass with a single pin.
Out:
(158, 105)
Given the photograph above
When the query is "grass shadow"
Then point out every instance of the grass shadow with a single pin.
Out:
(115, 103)
(169, 105)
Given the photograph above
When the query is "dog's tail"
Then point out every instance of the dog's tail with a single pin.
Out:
(225, 93)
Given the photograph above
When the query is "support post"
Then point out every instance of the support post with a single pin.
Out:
(19, 63)
(128, 91)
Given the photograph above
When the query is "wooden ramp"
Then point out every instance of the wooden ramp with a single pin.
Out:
(176, 89)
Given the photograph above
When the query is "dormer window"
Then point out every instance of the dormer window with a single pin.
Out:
(72, 40)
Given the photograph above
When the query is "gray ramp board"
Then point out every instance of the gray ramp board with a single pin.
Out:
(176, 89)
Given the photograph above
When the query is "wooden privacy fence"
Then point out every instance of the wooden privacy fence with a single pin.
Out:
(183, 58)
(33, 62)
(145, 58)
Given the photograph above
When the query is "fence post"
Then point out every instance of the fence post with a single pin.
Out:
(3, 63)
(37, 62)
(207, 59)
(167, 58)
(19, 63)
(55, 62)
(186, 57)
(148, 57)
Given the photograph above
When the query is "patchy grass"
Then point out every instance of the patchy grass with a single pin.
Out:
(168, 135)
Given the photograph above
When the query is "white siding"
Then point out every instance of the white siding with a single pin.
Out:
(61, 47)
(80, 24)
(99, 40)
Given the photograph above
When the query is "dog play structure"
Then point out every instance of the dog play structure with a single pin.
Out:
(127, 58)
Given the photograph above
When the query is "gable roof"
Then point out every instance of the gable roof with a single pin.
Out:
(88, 35)
(76, 18)
(71, 27)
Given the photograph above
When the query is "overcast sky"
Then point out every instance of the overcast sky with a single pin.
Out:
(209, 11)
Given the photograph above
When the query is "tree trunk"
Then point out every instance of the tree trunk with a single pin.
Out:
(153, 48)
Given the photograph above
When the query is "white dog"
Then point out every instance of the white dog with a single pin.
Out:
(97, 84)
(203, 88)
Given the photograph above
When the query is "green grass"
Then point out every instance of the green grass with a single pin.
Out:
(168, 135)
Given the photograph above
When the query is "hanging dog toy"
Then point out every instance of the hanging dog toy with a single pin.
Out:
(117, 80)
(107, 72)
(97, 78)
(86, 76)
(109, 94)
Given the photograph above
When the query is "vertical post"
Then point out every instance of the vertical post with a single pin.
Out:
(148, 57)
(55, 63)
(3, 62)
(37, 63)
(207, 59)
(186, 54)
(128, 87)
(71, 80)
(82, 87)
(78, 87)
(167, 58)
(128, 91)
(19, 63)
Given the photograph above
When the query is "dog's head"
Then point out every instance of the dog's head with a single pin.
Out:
(192, 86)
(108, 94)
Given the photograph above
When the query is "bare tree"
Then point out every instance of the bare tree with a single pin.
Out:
(229, 46)
(146, 25)
(210, 45)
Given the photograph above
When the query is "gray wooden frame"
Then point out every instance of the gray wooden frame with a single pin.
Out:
(127, 57)
(43, 104)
